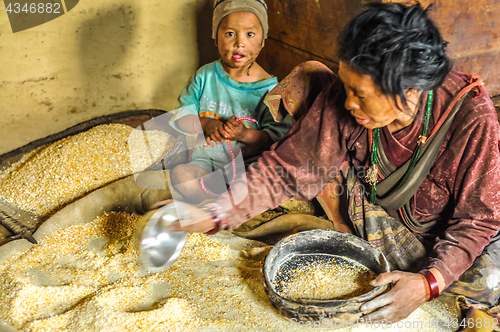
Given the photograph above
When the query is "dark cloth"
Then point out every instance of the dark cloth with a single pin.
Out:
(462, 188)
(480, 284)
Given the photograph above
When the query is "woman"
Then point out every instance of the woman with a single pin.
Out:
(389, 117)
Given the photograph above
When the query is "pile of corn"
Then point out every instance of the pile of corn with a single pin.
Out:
(54, 175)
(87, 277)
(325, 281)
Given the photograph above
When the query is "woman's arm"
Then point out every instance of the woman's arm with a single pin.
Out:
(470, 168)
(409, 291)
(300, 165)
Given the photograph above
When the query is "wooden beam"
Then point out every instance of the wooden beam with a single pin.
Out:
(279, 59)
(312, 25)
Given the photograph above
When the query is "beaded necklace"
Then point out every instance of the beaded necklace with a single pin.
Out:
(371, 174)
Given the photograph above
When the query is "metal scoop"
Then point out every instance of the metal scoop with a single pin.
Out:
(159, 247)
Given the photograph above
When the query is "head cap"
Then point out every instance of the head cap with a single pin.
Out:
(225, 7)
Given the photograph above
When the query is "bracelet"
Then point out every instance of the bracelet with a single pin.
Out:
(218, 216)
(432, 282)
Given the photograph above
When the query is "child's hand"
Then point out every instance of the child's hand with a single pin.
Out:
(234, 130)
(214, 131)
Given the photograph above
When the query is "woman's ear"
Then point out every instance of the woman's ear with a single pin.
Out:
(412, 97)
(412, 94)
(216, 44)
(263, 43)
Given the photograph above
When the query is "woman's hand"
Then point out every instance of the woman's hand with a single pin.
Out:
(213, 130)
(192, 218)
(410, 290)
(235, 130)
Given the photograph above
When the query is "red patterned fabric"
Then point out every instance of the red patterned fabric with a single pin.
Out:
(298, 90)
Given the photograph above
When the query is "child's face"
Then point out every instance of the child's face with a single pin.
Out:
(239, 39)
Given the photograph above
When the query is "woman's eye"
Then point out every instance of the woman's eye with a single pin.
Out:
(230, 34)
(348, 91)
(251, 34)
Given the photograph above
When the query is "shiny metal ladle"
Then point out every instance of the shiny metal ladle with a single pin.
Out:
(159, 247)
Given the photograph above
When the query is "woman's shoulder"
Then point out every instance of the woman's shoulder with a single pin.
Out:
(475, 120)
(477, 104)
(455, 81)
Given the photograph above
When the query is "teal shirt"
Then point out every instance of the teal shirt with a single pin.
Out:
(212, 93)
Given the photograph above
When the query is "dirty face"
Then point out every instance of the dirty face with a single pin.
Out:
(369, 105)
(239, 40)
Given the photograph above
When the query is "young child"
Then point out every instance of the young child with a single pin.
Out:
(223, 100)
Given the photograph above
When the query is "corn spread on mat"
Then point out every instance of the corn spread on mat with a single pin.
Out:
(87, 277)
(56, 174)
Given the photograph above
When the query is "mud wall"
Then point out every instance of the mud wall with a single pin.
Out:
(99, 58)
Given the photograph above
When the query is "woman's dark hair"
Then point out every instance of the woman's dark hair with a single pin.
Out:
(398, 46)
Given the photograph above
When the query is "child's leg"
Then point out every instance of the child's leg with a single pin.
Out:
(186, 180)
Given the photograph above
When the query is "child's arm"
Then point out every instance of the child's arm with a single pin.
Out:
(189, 124)
(212, 128)
(236, 130)
(185, 118)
